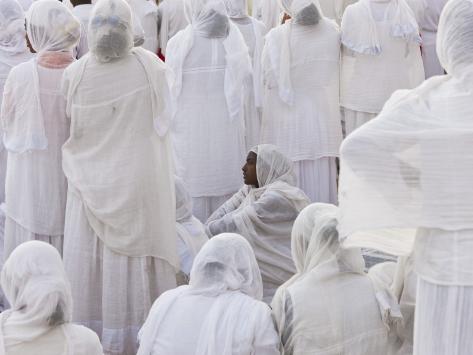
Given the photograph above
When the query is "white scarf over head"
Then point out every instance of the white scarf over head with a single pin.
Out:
(12, 28)
(209, 18)
(35, 284)
(359, 32)
(51, 28)
(226, 265)
(409, 168)
(303, 13)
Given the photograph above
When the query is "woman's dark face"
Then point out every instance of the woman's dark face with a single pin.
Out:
(249, 170)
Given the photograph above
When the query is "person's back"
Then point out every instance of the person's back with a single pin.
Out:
(171, 20)
(82, 10)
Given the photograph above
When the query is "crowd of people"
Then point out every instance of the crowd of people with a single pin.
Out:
(186, 178)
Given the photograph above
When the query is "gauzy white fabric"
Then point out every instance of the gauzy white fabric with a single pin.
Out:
(35, 284)
(219, 313)
(51, 27)
(265, 215)
(334, 9)
(407, 169)
(131, 210)
(387, 41)
(146, 12)
(82, 12)
(301, 113)
(210, 60)
(190, 231)
(267, 11)
(314, 311)
(171, 19)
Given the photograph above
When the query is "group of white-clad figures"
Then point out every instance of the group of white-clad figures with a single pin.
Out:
(127, 229)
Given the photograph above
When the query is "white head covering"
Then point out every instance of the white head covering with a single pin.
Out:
(35, 284)
(359, 32)
(110, 33)
(408, 168)
(303, 13)
(224, 265)
(53, 31)
(208, 17)
(12, 27)
(273, 166)
(236, 8)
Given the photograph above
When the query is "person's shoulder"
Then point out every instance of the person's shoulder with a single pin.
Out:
(331, 25)
(85, 340)
(22, 70)
(275, 33)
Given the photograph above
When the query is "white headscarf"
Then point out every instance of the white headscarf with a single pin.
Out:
(359, 31)
(236, 8)
(12, 27)
(224, 265)
(408, 169)
(53, 31)
(303, 13)
(110, 33)
(35, 284)
(209, 18)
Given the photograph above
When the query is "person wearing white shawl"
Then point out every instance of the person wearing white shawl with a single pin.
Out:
(381, 54)
(35, 127)
(405, 185)
(171, 19)
(190, 231)
(120, 247)
(263, 212)
(301, 111)
(269, 12)
(253, 32)
(39, 320)
(13, 51)
(334, 9)
(82, 10)
(329, 307)
(211, 66)
(219, 313)
(146, 12)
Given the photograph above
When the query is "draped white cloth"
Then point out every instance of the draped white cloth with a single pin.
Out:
(315, 311)
(219, 313)
(209, 59)
(35, 127)
(265, 215)
(420, 185)
(171, 19)
(334, 9)
(82, 12)
(39, 320)
(377, 35)
(269, 12)
(190, 231)
(146, 12)
(301, 112)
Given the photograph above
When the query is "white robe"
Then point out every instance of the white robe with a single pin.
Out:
(82, 12)
(147, 13)
(267, 11)
(334, 9)
(171, 19)
(308, 131)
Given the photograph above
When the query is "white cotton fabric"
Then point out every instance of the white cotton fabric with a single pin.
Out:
(51, 28)
(82, 12)
(334, 9)
(219, 313)
(269, 12)
(318, 179)
(146, 12)
(35, 284)
(314, 311)
(210, 60)
(418, 144)
(171, 19)
(370, 45)
(115, 208)
(265, 215)
(190, 231)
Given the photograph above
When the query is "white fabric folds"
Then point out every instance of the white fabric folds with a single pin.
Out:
(219, 313)
(313, 311)
(12, 28)
(359, 31)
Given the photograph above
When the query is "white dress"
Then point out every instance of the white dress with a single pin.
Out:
(309, 131)
(209, 146)
(116, 273)
(35, 183)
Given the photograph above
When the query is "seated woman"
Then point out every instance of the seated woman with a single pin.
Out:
(219, 312)
(263, 212)
(329, 307)
(39, 320)
(190, 231)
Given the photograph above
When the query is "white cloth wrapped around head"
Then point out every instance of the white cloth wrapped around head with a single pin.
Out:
(110, 32)
(51, 27)
(227, 263)
(12, 27)
(455, 37)
(272, 166)
(236, 8)
(208, 17)
(303, 12)
(35, 284)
